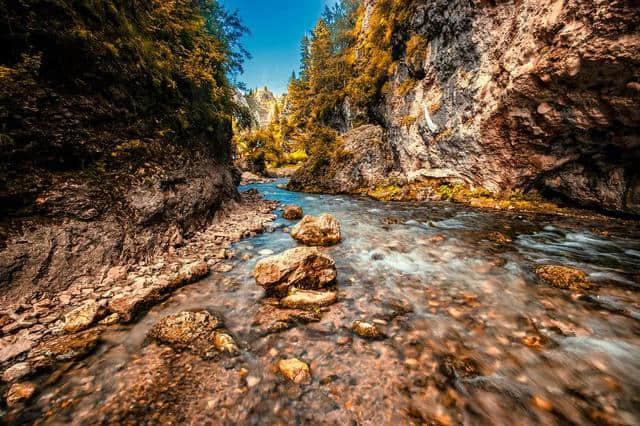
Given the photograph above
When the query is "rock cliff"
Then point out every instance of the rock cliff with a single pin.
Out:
(263, 106)
(113, 145)
(509, 95)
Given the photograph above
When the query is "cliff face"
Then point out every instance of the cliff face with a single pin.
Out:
(112, 146)
(540, 94)
(263, 107)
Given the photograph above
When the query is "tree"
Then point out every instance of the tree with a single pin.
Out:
(304, 56)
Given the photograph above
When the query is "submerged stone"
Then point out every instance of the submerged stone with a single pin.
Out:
(564, 277)
(272, 319)
(308, 298)
(224, 343)
(366, 329)
(295, 370)
(317, 231)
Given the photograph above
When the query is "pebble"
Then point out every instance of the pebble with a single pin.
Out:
(295, 370)
(365, 329)
(252, 381)
(343, 340)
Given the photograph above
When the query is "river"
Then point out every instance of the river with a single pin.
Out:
(472, 335)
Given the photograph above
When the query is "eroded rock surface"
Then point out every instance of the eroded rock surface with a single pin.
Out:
(270, 318)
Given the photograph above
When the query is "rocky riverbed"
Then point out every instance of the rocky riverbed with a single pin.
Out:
(418, 313)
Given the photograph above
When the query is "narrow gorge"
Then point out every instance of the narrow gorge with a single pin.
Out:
(433, 220)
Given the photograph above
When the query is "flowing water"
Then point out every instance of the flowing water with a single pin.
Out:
(472, 335)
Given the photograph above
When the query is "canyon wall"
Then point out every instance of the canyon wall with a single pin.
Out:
(114, 138)
(505, 95)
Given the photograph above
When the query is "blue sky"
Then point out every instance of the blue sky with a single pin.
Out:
(276, 29)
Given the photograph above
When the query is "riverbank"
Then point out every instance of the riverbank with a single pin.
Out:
(39, 333)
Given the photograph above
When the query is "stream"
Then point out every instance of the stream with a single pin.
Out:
(472, 334)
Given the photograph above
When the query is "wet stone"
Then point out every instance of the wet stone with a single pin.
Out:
(67, 348)
(564, 277)
(367, 330)
(302, 267)
(323, 230)
(295, 370)
(308, 299)
(292, 212)
(191, 331)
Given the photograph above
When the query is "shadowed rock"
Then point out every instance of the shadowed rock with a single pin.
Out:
(292, 212)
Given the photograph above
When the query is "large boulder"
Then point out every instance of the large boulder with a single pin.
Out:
(301, 267)
(365, 161)
(323, 230)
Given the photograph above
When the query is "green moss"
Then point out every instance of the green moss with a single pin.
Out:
(384, 192)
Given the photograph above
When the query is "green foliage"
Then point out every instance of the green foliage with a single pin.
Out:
(344, 61)
(154, 64)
